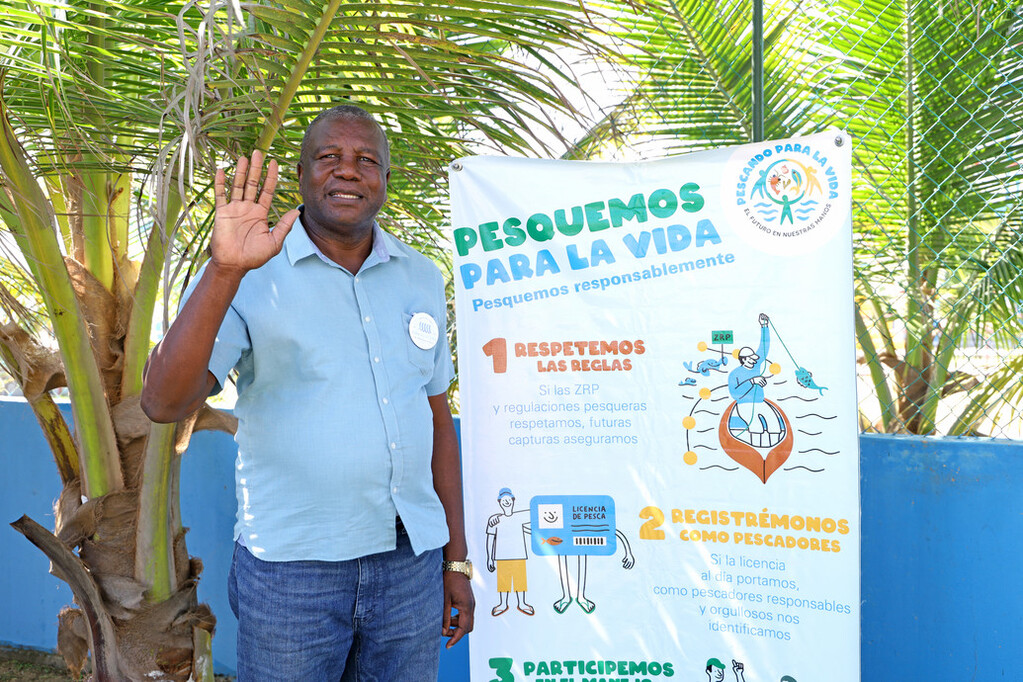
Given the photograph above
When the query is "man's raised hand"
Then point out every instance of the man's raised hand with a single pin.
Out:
(242, 239)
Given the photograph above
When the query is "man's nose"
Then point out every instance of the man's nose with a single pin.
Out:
(347, 166)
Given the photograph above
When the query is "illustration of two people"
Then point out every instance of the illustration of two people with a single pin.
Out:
(507, 554)
(716, 671)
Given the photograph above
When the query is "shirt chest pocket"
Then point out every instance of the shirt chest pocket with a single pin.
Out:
(421, 329)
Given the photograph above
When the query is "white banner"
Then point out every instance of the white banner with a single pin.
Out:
(658, 411)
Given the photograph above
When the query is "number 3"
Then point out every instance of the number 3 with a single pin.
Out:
(502, 666)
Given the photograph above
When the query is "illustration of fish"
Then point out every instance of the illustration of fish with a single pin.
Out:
(688, 381)
(553, 540)
(706, 365)
(805, 379)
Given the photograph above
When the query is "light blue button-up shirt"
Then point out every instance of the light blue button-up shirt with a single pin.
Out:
(335, 433)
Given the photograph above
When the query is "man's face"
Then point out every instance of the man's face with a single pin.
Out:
(343, 176)
(507, 503)
(717, 674)
(748, 362)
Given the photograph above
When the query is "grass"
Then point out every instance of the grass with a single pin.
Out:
(23, 671)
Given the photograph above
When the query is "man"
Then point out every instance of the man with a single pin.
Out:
(715, 670)
(347, 474)
(746, 386)
(506, 553)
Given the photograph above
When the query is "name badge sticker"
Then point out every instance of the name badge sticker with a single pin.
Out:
(424, 330)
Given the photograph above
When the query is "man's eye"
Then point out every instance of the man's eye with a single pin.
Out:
(367, 160)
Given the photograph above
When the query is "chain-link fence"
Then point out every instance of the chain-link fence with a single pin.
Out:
(931, 93)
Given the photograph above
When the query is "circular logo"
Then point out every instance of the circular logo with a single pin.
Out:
(781, 197)
(424, 330)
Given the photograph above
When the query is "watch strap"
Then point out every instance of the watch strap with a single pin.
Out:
(463, 567)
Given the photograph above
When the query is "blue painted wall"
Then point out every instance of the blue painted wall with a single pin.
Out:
(942, 548)
(30, 598)
(942, 552)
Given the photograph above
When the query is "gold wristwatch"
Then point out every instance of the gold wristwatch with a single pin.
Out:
(463, 567)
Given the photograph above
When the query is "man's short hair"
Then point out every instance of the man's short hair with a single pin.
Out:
(346, 112)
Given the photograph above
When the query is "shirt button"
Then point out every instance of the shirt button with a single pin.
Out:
(394, 490)
(385, 401)
(394, 445)
(376, 359)
(366, 318)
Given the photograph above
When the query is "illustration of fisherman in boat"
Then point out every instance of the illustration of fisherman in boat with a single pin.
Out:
(754, 431)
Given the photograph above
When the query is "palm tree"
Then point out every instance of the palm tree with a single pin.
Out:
(930, 93)
(949, 168)
(113, 120)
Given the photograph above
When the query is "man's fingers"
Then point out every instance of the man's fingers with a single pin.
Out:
(449, 629)
(252, 180)
(457, 597)
(266, 197)
(462, 623)
(238, 182)
(246, 181)
(468, 618)
(456, 631)
(218, 188)
(283, 227)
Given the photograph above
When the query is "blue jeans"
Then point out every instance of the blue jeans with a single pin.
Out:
(372, 619)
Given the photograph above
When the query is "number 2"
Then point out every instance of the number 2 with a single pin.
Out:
(650, 530)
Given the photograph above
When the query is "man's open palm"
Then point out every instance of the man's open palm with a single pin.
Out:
(242, 238)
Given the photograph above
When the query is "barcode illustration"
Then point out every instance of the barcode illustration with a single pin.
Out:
(593, 542)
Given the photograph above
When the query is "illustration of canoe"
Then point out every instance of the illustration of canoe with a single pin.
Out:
(760, 452)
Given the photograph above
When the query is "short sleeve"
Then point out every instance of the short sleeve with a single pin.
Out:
(443, 369)
(443, 366)
(232, 339)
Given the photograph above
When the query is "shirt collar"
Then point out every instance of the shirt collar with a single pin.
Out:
(298, 245)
